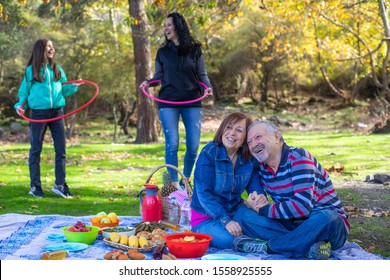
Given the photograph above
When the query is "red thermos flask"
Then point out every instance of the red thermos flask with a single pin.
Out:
(151, 204)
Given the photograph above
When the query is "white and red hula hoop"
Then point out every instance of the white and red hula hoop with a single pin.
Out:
(70, 113)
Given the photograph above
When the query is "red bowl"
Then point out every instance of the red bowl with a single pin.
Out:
(188, 249)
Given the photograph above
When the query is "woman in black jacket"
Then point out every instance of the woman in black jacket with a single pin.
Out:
(179, 64)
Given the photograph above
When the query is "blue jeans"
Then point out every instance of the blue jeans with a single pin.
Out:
(221, 237)
(293, 238)
(37, 133)
(192, 120)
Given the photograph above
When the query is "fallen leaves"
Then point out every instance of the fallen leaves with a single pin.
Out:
(356, 212)
(335, 168)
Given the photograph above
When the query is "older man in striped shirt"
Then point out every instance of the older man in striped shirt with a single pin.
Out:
(305, 217)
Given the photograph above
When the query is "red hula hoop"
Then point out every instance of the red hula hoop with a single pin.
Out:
(172, 102)
(70, 113)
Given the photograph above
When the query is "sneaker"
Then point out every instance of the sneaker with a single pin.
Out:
(62, 191)
(37, 192)
(320, 251)
(246, 244)
(67, 191)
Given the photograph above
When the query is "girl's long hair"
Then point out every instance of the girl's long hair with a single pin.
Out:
(38, 59)
(186, 41)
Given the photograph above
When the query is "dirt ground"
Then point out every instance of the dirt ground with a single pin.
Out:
(368, 213)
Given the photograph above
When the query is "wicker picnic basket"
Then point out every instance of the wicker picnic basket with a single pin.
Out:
(165, 201)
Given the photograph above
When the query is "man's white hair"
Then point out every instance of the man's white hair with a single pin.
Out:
(271, 127)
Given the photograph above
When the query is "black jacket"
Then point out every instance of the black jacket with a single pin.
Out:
(180, 75)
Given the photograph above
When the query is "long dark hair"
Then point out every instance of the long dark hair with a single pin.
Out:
(232, 119)
(186, 41)
(38, 59)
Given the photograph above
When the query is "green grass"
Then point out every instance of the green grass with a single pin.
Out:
(107, 177)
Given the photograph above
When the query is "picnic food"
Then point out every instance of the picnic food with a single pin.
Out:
(133, 241)
(143, 242)
(78, 227)
(86, 236)
(128, 231)
(188, 244)
(147, 226)
(135, 255)
(168, 257)
(55, 255)
(114, 237)
(147, 234)
(116, 255)
(123, 239)
(121, 255)
(103, 218)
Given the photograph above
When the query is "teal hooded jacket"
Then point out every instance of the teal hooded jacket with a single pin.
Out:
(49, 94)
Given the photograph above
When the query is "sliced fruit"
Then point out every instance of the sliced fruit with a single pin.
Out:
(105, 221)
(189, 238)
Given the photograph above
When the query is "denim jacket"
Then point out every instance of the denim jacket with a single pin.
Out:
(218, 187)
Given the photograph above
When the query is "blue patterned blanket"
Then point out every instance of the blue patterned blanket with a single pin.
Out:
(23, 237)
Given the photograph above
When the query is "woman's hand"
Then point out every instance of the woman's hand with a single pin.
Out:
(256, 201)
(144, 83)
(234, 228)
(209, 91)
(19, 110)
(77, 83)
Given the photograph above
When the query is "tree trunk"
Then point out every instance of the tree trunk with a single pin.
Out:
(146, 123)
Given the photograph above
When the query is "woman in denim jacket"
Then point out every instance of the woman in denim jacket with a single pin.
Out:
(223, 171)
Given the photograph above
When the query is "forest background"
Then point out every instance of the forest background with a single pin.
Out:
(273, 59)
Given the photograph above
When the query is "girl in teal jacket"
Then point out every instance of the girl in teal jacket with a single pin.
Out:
(42, 90)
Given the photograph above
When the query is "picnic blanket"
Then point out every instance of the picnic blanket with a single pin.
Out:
(23, 237)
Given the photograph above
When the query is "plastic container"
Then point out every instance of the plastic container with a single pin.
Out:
(55, 255)
(151, 204)
(173, 211)
(188, 249)
(185, 215)
(120, 230)
(86, 237)
(170, 225)
(105, 225)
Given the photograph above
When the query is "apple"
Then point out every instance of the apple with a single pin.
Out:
(101, 214)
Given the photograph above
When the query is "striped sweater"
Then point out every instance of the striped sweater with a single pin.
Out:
(301, 185)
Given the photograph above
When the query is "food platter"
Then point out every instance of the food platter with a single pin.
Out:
(150, 248)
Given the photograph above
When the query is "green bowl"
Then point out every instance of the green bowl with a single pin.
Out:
(87, 237)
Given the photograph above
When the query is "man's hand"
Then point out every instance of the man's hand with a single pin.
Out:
(256, 201)
(234, 228)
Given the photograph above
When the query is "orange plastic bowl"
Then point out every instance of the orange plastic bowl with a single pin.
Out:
(188, 249)
(105, 225)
